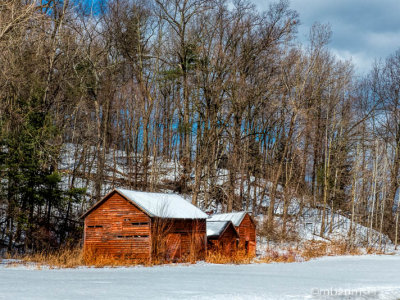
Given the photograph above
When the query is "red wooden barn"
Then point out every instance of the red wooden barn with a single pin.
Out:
(222, 236)
(144, 226)
(244, 225)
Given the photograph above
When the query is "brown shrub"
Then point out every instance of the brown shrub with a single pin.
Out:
(217, 256)
(313, 249)
(64, 258)
(286, 256)
(72, 258)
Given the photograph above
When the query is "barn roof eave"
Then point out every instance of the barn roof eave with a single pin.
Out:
(227, 224)
(135, 198)
(238, 222)
(135, 203)
(94, 206)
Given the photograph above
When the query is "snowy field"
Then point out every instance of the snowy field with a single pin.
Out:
(365, 277)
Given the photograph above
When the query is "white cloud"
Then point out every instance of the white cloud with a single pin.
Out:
(363, 30)
(361, 60)
(383, 40)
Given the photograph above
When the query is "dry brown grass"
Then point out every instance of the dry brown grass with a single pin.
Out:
(76, 257)
(272, 256)
(314, 249)
(218, 257)
(92, 258)
(372, 250)
(309, 250)
(65, 258)
(72, 258)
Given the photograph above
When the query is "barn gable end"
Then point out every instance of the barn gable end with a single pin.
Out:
(247, 234)
(245, 226)
(115, 227)
(222, 237)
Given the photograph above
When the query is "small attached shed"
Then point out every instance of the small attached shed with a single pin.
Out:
(143, 226)
(222, 236)
(245, 226)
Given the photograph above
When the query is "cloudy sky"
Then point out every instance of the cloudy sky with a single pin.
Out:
(363, 30)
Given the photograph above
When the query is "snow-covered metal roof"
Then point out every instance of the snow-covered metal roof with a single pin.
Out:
(215, 228)
(163, 205)
(235, 217)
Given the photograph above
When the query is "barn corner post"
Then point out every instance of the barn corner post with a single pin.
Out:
(204, 239)
(161, 228)
(193, 242)
(84, 240)
(151, 243)
(198, 240)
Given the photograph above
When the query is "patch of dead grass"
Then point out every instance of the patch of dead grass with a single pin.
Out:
(77, 257)
(219, 257)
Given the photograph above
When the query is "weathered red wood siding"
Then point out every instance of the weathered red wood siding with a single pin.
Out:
(225, 243)
(247, 233)
(185, 237)
(118, 235)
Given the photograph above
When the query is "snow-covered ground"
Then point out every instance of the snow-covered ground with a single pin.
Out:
(364, 277)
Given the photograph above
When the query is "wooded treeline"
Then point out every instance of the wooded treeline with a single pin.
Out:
(219, 90)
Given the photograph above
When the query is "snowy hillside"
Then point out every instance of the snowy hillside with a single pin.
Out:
(307, 225)
(304, 221)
